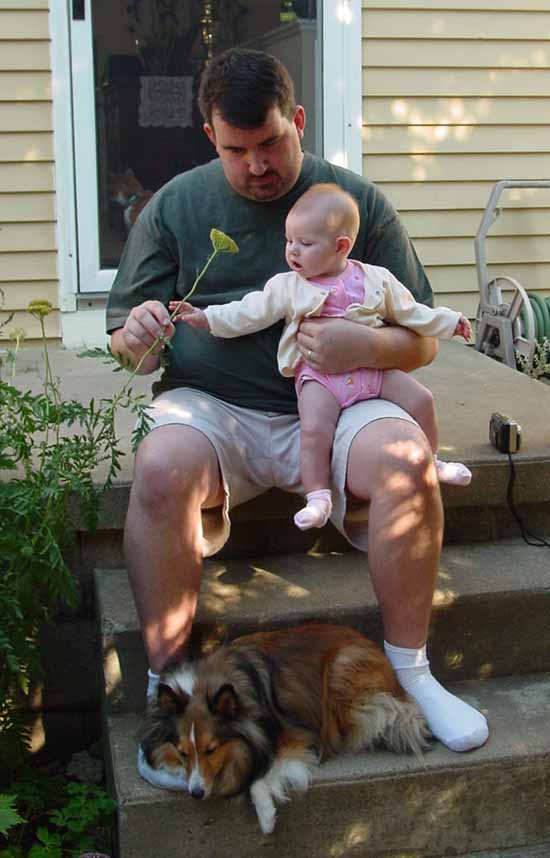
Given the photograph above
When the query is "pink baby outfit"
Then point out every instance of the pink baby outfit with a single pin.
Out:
(359, 384)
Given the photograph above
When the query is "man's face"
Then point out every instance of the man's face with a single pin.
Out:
(260, 163)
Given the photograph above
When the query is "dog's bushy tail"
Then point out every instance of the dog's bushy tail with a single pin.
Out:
(384, 719)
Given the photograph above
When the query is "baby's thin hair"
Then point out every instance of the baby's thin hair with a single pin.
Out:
(339, 205)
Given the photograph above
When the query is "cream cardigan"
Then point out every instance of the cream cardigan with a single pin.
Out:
(290, 297)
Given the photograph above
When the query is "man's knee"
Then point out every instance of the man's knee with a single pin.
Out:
(390, 456)
(172, 465)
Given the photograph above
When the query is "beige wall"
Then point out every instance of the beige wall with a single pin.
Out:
(28, 263)
(456, 97)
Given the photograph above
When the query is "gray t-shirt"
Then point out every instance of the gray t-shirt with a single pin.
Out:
(170, 242)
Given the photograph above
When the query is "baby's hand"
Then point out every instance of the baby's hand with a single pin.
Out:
(187, 313)
(463, 328)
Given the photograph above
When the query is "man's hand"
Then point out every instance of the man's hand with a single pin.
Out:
(146, 323)
(334, 345)
(341, 345)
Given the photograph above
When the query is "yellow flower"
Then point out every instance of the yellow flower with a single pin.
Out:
(17, 334)
(222, 243)
(39, 309)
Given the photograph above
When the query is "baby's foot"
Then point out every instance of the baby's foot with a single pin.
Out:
(317, 512)
(454, 473)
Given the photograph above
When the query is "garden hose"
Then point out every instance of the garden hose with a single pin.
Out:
(541, 312)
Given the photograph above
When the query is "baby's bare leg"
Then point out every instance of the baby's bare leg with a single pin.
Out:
(319, 411)
(417, 400)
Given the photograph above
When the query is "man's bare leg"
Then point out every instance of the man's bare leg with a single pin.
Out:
(401, 388)
(390, 463)
(176, 475)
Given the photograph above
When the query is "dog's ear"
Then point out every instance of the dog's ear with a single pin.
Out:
(225, 703)
(171, 702)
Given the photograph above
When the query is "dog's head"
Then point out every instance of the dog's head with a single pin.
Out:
(208, 735)
(123, 186)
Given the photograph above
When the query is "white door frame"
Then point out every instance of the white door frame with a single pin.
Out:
(78, 233)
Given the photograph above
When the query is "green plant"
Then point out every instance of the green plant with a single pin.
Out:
(50, 449)
(49, 817)
(539, 366)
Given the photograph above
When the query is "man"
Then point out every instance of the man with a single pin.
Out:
(220, 397)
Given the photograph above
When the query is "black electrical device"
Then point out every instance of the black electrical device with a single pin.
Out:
(504, 433)
(505, 436)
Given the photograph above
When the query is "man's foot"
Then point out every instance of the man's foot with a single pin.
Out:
(454, 473)
(456, 724)
(160, 778)
(317, 512)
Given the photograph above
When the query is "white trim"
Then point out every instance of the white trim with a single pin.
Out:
(342, 73)
(63, 157)
(93, 278)
(84, 329)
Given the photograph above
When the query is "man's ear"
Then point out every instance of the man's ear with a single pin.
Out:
(209, 131)
(300, 120)
(343, 244)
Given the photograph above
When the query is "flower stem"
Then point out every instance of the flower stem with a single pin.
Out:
(159, 340)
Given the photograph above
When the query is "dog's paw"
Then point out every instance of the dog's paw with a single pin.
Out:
(264, 806)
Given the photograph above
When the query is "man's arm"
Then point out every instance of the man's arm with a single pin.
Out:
(341, 345)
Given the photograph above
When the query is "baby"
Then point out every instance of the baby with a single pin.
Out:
(320, 231)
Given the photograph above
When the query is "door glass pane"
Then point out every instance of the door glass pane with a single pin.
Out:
(148, 59)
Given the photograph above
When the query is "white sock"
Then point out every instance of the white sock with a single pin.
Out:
(459, 726)
(317, 512)
(454, 473)
(152, 685)
(160, 778)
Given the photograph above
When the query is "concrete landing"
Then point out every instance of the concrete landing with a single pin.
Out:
(452, 803)
(467, 386)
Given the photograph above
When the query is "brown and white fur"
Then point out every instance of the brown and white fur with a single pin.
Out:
(260, 713)
(126, 190)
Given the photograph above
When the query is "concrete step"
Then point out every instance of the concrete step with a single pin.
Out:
(373, 805)
(541, 850)
(490, 613)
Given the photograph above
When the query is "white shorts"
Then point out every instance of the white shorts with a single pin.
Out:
(260, 450)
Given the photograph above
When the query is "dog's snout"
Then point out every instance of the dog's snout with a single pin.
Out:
(197, 792)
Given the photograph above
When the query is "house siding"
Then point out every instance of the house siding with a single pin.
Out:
(28, 249)
(456, 96)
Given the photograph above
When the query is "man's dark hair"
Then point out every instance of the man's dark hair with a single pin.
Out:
(243, 85)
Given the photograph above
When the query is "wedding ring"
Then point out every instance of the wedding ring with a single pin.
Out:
(309, 354)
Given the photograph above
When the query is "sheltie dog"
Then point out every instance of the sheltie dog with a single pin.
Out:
(260, 713)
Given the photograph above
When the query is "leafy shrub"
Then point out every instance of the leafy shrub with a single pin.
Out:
(49, 817)
(539, 366)
(49, 451)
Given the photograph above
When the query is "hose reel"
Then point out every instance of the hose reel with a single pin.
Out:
(509, 320)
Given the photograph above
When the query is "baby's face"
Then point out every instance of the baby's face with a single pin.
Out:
(311, 248)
